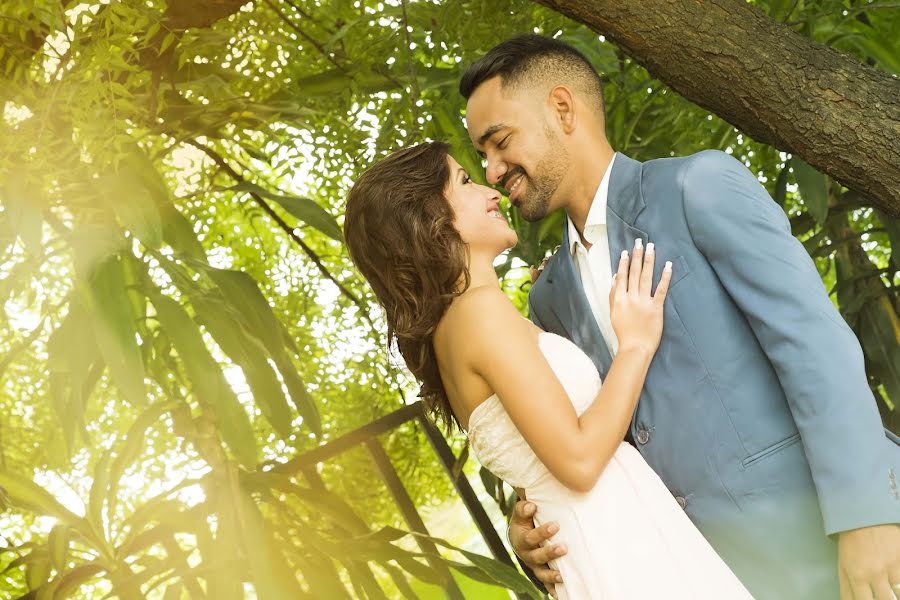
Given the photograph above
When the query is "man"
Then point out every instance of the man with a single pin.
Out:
(756, 412)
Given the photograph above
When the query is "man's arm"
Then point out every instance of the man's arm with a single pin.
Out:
(747, 239)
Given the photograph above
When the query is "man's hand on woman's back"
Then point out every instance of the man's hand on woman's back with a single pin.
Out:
(526, 540)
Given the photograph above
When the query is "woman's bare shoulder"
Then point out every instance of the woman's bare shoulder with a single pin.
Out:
(484, 317)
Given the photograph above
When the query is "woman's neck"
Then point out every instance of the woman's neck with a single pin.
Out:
(482, 273)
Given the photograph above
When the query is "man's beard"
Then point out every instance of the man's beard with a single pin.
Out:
(535, 203)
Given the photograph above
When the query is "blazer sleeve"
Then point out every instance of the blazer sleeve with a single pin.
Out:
(746, 237)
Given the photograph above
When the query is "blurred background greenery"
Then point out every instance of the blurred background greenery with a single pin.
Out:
(180, 313)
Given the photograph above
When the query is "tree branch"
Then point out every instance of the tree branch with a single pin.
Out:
(200, 13)
(837, 113)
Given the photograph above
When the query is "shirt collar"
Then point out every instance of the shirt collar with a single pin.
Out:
(597, 212)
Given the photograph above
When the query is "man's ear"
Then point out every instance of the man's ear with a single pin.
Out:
(562, 104)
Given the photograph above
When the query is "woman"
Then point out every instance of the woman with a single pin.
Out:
(531, 402)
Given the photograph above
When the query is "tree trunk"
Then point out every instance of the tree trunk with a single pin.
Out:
(200, 13)
(837, 113)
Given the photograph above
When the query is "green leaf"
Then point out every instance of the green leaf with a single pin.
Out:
(167, 41)
(881, 50)
(73, 579)
(892, 226)
(813, 189)
(177, 231)
(179, 234)
(98, 492)
(170, 517)
(304, 209)
(58, 545)
(72, 355)
(493, 570)
(300, 396)
(327, 504)
(133, 204)
(253, 316)
(242, 292)
(245, 349)
(364, 582)
(781, 184)
(271, 574)
(115, 329)
(208, 380)
(22, 208)
(94, 243)
(26, 494)
(131, 447)
(173, 591)
(151, 31)
(37, 572)
(879, 331)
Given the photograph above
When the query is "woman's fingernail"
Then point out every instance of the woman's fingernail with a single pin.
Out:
(624, 254)
(638, 243)
(650, 247)
(668, 266)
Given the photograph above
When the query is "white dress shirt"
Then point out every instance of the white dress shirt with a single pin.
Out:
(593, 265)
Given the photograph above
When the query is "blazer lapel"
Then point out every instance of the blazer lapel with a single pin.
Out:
(571, 306)
(569, 303)
(624, 204)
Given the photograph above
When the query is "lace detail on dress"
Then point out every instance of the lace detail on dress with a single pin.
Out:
(493, 437)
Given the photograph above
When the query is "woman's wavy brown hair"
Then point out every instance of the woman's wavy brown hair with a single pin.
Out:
(399, 229)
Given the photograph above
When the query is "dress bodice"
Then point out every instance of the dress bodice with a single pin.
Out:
(493, 437)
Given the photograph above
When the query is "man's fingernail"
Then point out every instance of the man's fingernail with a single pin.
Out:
(529, 508)
(559, 579)
(553, 528)
(561, 550)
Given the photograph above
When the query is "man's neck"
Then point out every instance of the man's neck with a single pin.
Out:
(587, 173)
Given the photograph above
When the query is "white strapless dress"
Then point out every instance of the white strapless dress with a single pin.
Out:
(627, 538)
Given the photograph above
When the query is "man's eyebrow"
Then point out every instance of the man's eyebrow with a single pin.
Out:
(489, 132)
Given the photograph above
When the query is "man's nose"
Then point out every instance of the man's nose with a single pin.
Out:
(495, 171)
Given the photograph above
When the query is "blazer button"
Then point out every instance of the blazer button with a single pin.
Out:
(643, 437)
(682, 502)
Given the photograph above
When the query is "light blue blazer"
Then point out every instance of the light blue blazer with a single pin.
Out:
(756, 412)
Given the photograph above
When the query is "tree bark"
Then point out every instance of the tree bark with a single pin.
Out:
(837, 113)
(200, 13)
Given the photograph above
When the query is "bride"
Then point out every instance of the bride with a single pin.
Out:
(425, 236)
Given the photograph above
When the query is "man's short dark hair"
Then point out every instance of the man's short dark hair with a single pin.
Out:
(530, 59)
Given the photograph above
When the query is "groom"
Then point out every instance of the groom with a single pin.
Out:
(756, 411)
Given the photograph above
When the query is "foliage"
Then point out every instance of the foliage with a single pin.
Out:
(181, 313)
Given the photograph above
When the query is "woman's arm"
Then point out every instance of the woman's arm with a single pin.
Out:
(503, 352)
